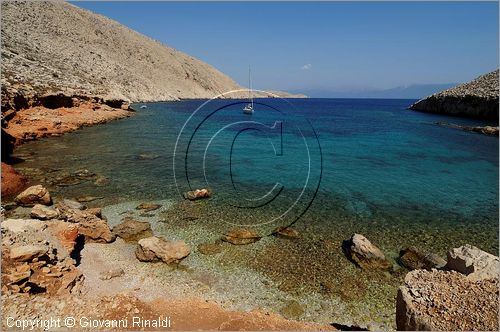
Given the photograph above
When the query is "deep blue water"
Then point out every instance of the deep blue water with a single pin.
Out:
(374, 160)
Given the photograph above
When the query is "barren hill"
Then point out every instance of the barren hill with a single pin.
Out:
(55, 46)
(477, 98)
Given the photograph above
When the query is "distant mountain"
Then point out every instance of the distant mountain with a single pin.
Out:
(413, 91)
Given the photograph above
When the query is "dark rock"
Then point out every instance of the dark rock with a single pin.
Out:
(414, 259)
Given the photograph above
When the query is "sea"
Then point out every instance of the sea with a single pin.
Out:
(327, 168)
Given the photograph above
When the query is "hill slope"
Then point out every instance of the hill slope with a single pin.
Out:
(477, 98)
(57, 47)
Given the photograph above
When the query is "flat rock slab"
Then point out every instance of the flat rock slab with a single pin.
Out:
(446, 300)
(473, 262)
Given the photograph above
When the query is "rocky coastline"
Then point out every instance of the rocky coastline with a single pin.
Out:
(475, 99)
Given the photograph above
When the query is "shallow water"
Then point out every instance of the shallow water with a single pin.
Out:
(337, 166)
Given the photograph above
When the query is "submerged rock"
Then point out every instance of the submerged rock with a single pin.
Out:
(148, 207)
(446, 300)
(473, 262)
(83, 199)
(44, 212)
(364, 254)
(286, 232)
(154, 249)
(414, 259)
(240, 236)
(210, 248)
(197, 194)
(34, 195)
(68, 203)
(133, 230)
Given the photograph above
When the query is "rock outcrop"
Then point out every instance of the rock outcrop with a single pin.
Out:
(464, 298)
(446, 301)
(363, 253)
(477, 98)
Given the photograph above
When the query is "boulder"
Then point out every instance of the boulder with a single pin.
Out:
(446, 300)
(43, 212)
(473, 262)
(414, 259)
(34, 195)
(154, 249)
(95, 230)
(363, 253)
(133, 230)
(27, 252)
(241, 236)
(197, 194)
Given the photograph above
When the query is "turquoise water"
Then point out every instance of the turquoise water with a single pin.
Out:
(330, 166)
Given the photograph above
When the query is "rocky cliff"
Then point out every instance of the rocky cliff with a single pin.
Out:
(477, 98)
(56, 47)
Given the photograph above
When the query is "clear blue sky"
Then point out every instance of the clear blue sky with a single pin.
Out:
(324, 45)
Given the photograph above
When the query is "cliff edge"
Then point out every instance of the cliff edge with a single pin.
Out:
(477, 99)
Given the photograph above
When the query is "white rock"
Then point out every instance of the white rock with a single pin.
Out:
(473, 262)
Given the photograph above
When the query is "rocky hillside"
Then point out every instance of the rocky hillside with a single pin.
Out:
(477, 98)
(54, 47)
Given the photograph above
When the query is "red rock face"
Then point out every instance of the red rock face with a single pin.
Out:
(12, 182)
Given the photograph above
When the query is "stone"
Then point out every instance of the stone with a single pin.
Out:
(241, 236)
(364, 254)
(113, 273)
(446, 301)
(43, 212)
(21, 225)
(414, 259)
(12, 182)
(95, 230)
(132, 230)
(148, 207)
(286, 233)
(27, 252)
(473, 262)
(153, 249)
(34, 195)
(95, 211)
(197, 194)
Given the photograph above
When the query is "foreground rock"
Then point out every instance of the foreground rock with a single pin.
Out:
(132, 230)
(446, 300)
(286, 233)
(154, 249)
(34, 195)
(93, 228)
(477, 98)
(414, 259)
(473, 262)
(241, 236)
(364, 254)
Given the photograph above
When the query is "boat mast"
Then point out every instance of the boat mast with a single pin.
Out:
(250, 85)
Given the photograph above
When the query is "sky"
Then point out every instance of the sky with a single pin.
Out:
(324, 45)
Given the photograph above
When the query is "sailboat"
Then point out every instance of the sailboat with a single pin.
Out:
(248, 109)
